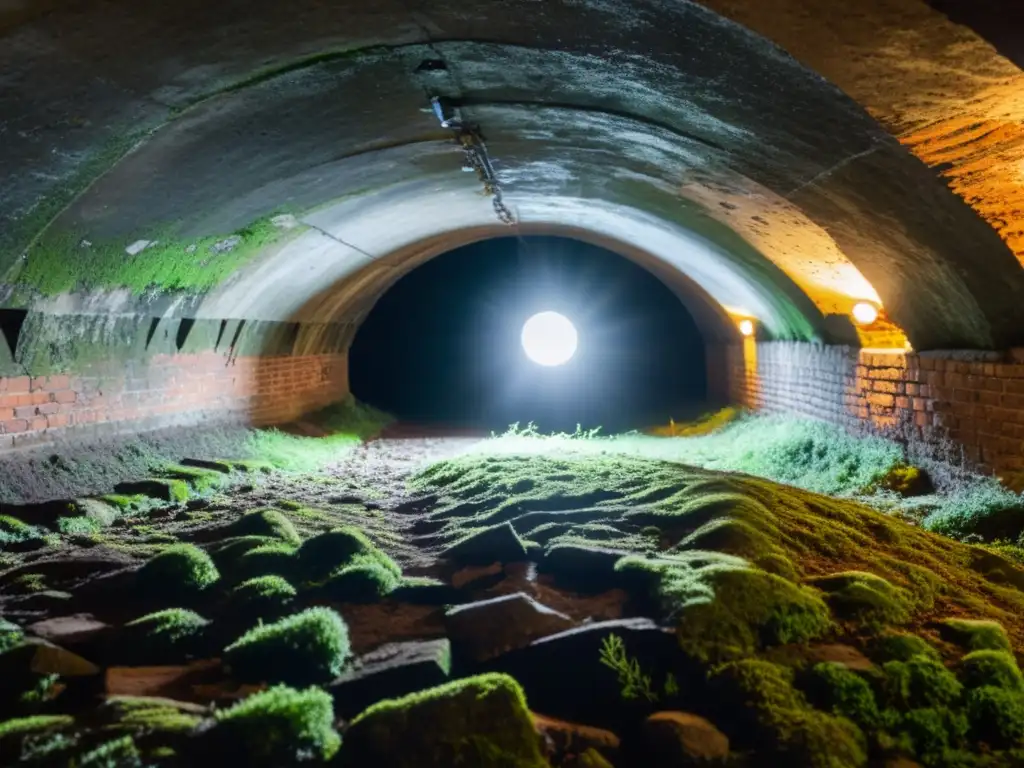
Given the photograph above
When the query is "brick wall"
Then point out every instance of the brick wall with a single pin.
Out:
(976, 399)
(168, 390)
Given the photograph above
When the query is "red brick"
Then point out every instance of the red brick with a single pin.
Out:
(65, 396)
(17, 385)
(57, 420)
(47, 408)
(14, 426)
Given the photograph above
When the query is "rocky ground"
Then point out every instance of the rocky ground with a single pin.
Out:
(419, 603)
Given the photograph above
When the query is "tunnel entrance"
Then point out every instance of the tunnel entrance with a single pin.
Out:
(444, 344)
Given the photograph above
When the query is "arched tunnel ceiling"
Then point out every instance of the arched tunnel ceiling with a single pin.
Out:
(666, 128)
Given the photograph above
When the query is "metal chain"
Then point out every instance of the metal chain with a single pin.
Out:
(477, 159)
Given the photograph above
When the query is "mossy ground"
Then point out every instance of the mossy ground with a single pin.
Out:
(754, 577)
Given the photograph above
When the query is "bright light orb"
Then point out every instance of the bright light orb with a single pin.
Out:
(865, 313)
(747, 327)
(549, 339)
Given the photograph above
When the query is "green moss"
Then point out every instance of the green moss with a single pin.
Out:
(264, 596)
(148, 715)
(268, 559)
(863, 598)
(996, 668)
(726, 612)
(322, 555)
(921, 682)
(124, 502)
(975, 634)
(308, 647)
(279, 726)
(179, 570)
(11, 635)
(13, 531)
(266, 522)
(764, 709)
(900, 646)
(78, 526)
(933, 731)
(164, 637)
(842, 692)
(364, 580)
(996, 716)
(202, 480)
(23, 725)
(117, 753)
(481, 721)
(58, 263)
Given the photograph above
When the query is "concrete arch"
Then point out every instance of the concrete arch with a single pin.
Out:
(655, 121)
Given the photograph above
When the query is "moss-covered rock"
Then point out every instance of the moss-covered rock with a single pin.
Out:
(760, 707)
(746, 610)
(480, 721)
(365, 580)
(202, 480)
(975, 634)
(900, 646)
(863, 598)
(307, 647)
(322, 555)
(164, 637)
(836, 689)
(262, 596)
(278, 726)
(997, 668)
(930, 732)
(921, 682)
(278, 559)
(266, 522)
(996, 716)
(179, 570)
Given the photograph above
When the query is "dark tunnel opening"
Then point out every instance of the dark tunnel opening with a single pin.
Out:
(443, 345)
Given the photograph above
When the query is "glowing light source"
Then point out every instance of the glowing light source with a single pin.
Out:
(864, 313)
(549, 338)
(747, 327)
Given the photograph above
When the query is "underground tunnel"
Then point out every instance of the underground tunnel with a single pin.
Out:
(537, 384)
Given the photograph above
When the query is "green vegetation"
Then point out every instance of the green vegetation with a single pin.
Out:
(976, 634)
(263, 596)
(35, 723)
(347, 423)
(267, 559)
(200, 480)
(900, 646)
(59, 262)
(265, 522)
(14, 531)
(78, 526)
(481, 721)
(635, 684)
(811, 455)
(865, 598)
(995, 668)
(322, 555)
(779, 719)
(179, 570)
(279, 726)
(918, 683)
(838, 690)
(996, 716)
(307, 647)
(10, 635)
(165, 637)
(364, 580)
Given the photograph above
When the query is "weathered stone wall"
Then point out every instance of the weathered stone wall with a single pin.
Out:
(975, 399)
(167, 390)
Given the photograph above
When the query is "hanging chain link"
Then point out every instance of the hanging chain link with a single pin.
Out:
(476, 158)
